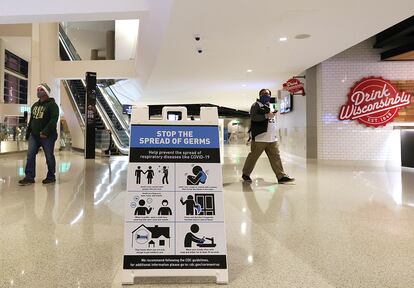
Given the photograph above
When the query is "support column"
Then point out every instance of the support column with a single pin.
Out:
(311, 113)
(1, 72)
(45, 52)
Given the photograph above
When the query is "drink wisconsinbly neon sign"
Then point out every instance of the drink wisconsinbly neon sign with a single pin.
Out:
(374, 101)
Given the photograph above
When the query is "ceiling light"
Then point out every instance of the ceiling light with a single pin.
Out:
(249, 71)
(244, 85)
(302, 36)
(283, 39)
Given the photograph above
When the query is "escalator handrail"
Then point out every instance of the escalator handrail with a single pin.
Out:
(119, 117)
(67, 45)
(73, 102)
(101, 111)
(109, 126)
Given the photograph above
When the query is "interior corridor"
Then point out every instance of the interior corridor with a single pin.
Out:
(339, 226)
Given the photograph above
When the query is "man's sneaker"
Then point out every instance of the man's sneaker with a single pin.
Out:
(246, 178)
(285, 179)
(47, 181)
(26, 181)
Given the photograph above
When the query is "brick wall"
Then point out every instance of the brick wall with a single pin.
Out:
(348, 140)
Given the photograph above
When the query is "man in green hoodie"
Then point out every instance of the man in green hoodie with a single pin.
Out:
(41, 132)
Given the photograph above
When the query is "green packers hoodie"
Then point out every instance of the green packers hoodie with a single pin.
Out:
(43, 118)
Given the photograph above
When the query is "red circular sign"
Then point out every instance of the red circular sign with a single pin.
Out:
(374, 102)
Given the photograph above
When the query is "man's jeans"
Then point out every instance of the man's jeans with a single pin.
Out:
(48, 145)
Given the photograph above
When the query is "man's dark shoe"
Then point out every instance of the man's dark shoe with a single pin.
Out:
(246, 178)
(26, 181)
(285, 179)
(48, 181)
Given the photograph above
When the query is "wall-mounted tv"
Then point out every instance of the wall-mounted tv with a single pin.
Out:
(127, 109)
(286, 102)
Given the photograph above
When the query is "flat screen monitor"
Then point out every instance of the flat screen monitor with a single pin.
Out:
(127, 109)
(286, 103)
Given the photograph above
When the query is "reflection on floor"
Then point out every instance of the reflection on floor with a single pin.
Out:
(12, 146)
(339, 226)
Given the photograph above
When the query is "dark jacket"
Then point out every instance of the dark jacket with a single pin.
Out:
(258, 119)
(43, 118)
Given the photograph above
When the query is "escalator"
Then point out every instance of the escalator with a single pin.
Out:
(110, 117)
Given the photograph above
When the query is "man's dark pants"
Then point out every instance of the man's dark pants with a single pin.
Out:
(48, 145)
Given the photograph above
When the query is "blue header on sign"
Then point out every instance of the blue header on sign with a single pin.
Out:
(166, 136)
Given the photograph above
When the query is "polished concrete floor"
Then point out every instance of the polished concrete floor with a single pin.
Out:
(339, 226)
(12, 146)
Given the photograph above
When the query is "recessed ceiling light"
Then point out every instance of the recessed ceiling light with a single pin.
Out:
(244, 85)
(302, 36)
(283, 39)
(249, 70)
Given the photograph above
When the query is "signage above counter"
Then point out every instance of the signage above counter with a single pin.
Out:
(294, 86)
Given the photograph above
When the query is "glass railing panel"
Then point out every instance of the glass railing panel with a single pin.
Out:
(12, 137)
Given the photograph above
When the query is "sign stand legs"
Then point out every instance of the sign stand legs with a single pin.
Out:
(128, 276)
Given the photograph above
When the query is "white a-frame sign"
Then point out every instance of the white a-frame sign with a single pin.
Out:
(174, 211)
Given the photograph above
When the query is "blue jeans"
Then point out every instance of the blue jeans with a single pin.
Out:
(48, 145)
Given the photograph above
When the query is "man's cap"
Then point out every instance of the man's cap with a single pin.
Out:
(44, 87)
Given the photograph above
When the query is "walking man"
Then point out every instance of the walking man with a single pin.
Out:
(41, 132)
(264, 138)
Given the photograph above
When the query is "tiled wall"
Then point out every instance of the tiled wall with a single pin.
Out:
(346, 140)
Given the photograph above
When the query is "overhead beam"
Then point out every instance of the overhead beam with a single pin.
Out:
(16, 30)
(29, 11)
(392, 54)
(394, 33)
(106, 69)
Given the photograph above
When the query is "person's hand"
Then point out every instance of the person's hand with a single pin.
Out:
(270, 115)
(42, 135)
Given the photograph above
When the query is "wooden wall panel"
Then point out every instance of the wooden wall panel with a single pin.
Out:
(406, 114)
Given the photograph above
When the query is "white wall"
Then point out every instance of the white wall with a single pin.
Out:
(126, 37)
(292, 128)
(86, 40)
(339, 140)
(75, 129)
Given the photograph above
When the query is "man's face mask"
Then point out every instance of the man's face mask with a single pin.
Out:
(41, 93)
(264, 99)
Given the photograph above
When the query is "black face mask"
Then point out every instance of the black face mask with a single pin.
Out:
(264, 99)
(41, 93)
